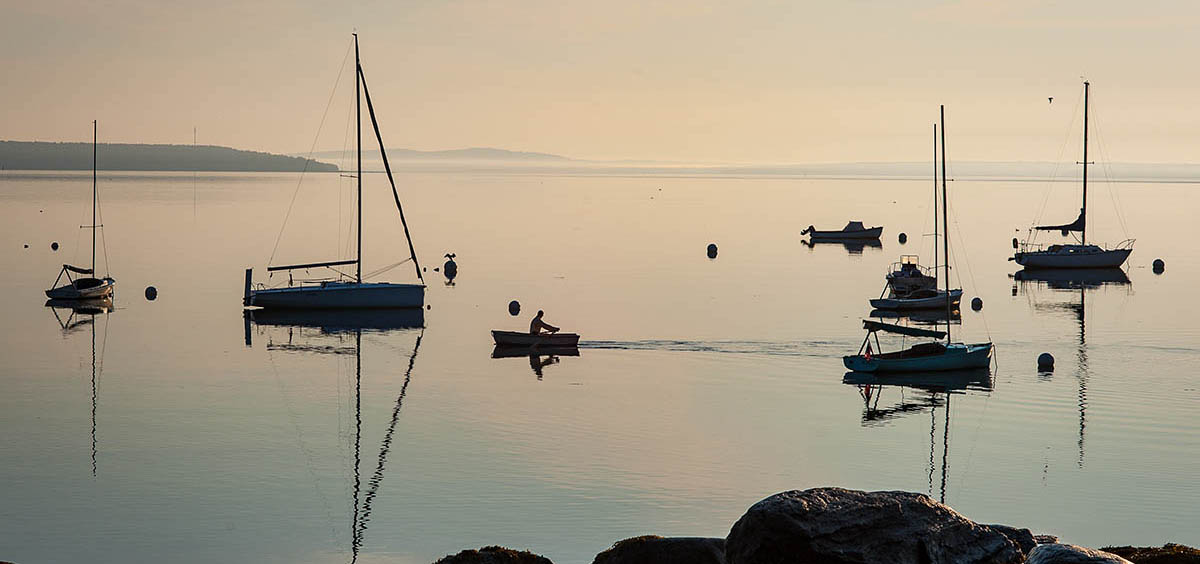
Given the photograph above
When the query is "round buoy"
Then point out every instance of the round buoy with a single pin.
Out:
(151, 293)
(1015, 245)
(903, 238)
(26, 245)
(514, 308)
(1159, 265)
(428, 307)
(712, 250)
(1046, 361)
(976, 303)
(54, 246)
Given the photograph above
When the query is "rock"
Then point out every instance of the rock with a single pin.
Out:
(494, 555)
(1024, 538)
(1071, 554)
(652, 549)
(1045, 539)
(839, 526)
(1170, 553)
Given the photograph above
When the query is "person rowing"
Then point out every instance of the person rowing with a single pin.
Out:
(539, 327)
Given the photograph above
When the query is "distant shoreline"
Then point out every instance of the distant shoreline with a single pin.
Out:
(52, 156)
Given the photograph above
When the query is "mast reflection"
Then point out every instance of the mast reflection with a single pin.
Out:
(73, 316)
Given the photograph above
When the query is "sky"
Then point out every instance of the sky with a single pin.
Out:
(698, 81)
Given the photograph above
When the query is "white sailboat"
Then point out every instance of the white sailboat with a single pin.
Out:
(355, 293)
(1032, 255)
(86, 286)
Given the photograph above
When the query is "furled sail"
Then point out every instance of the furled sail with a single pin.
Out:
(901, 330)
(76, 269)
(1076, 225)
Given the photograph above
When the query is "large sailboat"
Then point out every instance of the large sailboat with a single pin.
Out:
(344, 292)
(1082, 255)
(926, 356)
(87, 286)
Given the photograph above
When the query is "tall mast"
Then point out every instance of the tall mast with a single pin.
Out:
(94, 197)
(358, 130)
(935, 206)
(945, 224)
(1085, 161)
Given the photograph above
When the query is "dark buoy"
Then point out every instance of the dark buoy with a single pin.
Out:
(151, 293)
(976, 303)
(54, 246)
(450, 269)
(428, 307)
(1015, 242)
(1159, 265)
(26, 245)
(514, 308)
(903, 238)
(712, 250)
(1046, 362)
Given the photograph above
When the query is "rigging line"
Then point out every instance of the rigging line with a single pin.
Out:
(103, 237)
(308, 160)
(1110, 178)
(341, 185)
(1057, 163)
(970, 272)
(385, 269)
(386, 447)
(388, 168)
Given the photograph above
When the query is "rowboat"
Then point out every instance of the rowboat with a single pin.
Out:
(852, 230)
(518, 339)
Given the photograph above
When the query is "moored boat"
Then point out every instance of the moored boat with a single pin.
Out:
(922, 299)
(87, 286)
(852, 230)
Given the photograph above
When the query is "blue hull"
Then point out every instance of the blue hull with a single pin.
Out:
(339, 295)
(957, 356)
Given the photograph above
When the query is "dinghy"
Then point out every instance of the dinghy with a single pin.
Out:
(852, 230)
(518, 339)
(1082, 255)
(345, 292)
(86, 286)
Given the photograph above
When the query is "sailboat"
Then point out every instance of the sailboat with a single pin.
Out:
(910, 286)
(1082, 255)
(86, 286)
(339, 293)
(926, 356)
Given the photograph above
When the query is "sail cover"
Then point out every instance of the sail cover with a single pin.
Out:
(76, 269)
(901, 330)
(1076, 225)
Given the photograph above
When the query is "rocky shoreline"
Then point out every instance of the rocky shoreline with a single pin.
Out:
(840, 526)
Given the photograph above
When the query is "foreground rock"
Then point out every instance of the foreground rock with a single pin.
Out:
(1071, 554)
(658, 550)
(494, 555)
(1168, 554)
(839, 526)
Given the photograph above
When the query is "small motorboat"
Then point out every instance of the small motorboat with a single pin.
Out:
(908, 276)
(519, 339)
(921, 299)
(852, 230)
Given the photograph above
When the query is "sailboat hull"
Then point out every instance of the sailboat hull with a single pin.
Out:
(83, 289)
(1098, 258)
(935, 301)
(339, 295)
(956, 356)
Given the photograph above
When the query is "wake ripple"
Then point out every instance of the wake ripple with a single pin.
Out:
(812, 349)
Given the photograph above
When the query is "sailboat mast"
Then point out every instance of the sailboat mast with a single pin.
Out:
(1086, 87)
(94, 141)
(935, 206)
(358, 130)
(945, 224)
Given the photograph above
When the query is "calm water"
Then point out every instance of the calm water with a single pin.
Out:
(702, 387)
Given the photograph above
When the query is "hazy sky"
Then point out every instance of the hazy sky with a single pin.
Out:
(791, 81)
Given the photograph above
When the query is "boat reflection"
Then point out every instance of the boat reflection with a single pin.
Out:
(929, 391)
(920, 316)
(73, 316)
(852, 246)
(341, 324)
(539, 356)
(1070, 281)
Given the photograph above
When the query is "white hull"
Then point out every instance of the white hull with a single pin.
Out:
(931, 302)
(339, 295)
(83, 289)
(1058, 259)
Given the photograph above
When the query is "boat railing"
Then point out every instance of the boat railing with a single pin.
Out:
(898, 266)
